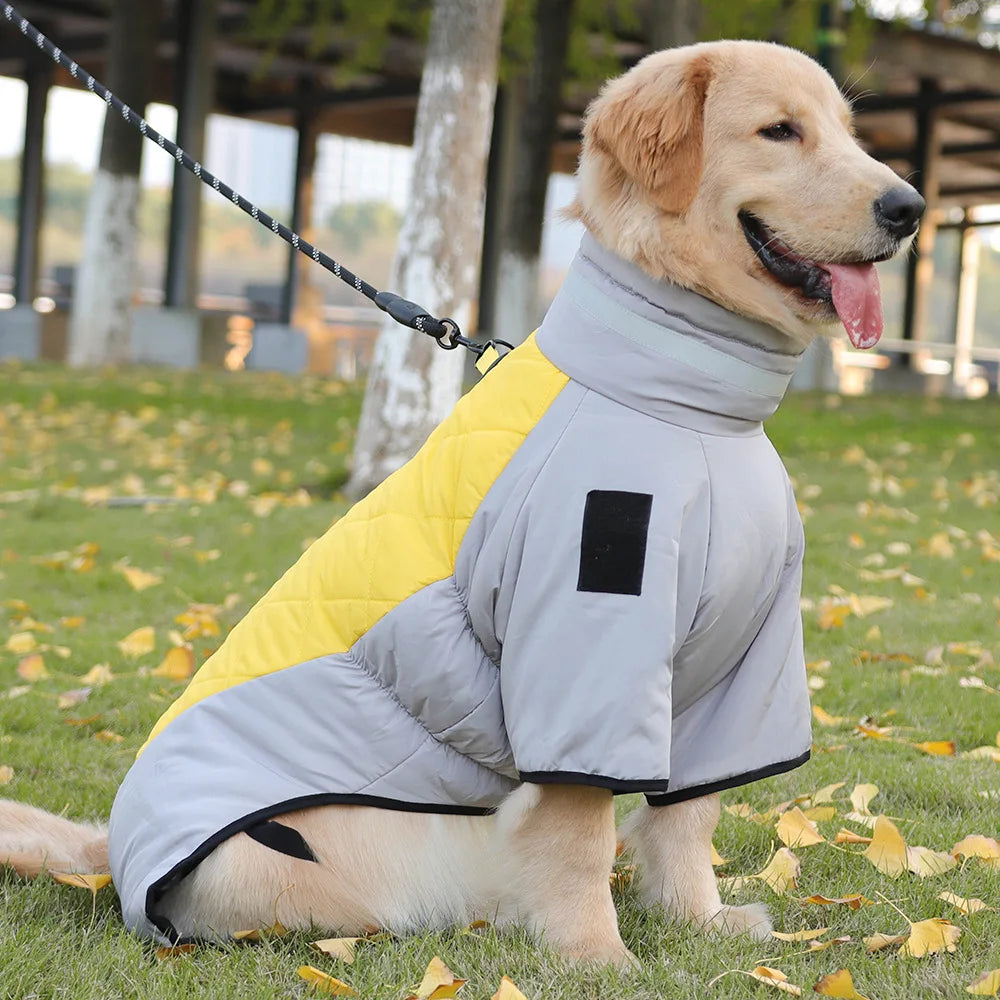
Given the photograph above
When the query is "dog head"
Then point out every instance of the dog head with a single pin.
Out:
(731, 168)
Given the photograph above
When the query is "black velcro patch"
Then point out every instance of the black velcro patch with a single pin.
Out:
(281, 838)
(613, 546)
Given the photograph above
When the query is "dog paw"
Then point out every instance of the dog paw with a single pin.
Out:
(610, 954)
(753, 920)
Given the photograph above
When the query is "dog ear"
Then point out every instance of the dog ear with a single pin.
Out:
(650, 123)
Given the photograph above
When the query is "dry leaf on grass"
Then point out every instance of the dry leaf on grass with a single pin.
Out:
(138, 642)
(174, 951)
(324, 984)
(845, 836)
(978, 846)
(80, 881)
(861, 798)
(508, 991)
(930, 936)
(342, 948)
(987, 985)
(924, 862)
(781, 871)
(824, 718)
(22, 642)
(439, 983)
(98, 674)
(806, 935)
(853, 900)
(967, 906)
(68, 699)
(32, 668)
(876, 942)
(139, 579)
(6, 774)
(887, 851)
(838, 984)
(794, 829)
(776, 978)
(177, 665)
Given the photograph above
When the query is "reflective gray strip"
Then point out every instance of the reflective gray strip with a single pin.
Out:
(671, 343)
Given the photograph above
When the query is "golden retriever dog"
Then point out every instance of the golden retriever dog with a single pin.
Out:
(726, 169)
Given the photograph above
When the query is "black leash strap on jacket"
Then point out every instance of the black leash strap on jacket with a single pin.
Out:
(445, 331)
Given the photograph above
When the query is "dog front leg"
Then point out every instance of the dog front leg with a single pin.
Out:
(673, 850)
(557, 849)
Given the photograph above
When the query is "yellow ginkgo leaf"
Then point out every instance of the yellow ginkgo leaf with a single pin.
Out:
(342, 948)
(806, 935)
(22, 642)
(508, 991)
(838, 984)
(6, 774)
(324, 984)
(845, 836)
(820, 814)
(277, 929)
(140, 579)
(174, 951)
(794, 829)
(831, 613)
(776, 978)
(967, 906)
(924, 862)
(939, 748)
(139, 642)
(825, 794)
(717, 858)
(853, 900)
(876, 942)
(824, 718)
(98, 674)
(72, 621)
(177, 665)
(32, 668)
(930, 936)
(781, 871)
(978, 846)
(861, 798)
(81, 881)
(887, 851)
(439, 982)
(987, 985)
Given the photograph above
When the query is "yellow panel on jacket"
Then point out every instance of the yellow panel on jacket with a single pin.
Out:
(400, 538)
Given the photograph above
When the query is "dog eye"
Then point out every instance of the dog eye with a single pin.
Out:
(779, 132)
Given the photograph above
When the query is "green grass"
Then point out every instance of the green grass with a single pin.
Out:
(884, 484)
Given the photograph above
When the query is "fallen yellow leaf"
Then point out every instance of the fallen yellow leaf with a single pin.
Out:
(987, 985)
(820, 814)
(107, 736)
(806, 935)
(80, 881)
(717, 858)
(69, 699)
(795, 830)
(139, 642)
(174, 952)
(967, 906)
(22, 642)
(824, 718)
(277, 929)
(940, 748)
(6, 774)
(177, 665)
(32, 668)
(832, 614)
(853, 900)
(978, 846)
(781, 871)
(861, 798)
(72, 621)
(838, 984)
(776, 978)
(140, 579)
(98, 674)
(924, 862)
(887, 851)
(439, 982)
(508, 991)
(342, 948)
(845, 836)
(930, 936)
(322, 983)
(876, 942)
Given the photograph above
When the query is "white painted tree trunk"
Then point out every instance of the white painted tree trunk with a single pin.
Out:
(413, 384)
(100, 330)
(100, 326)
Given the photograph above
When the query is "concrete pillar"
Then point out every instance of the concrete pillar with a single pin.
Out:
(194, 96)
(31, 194)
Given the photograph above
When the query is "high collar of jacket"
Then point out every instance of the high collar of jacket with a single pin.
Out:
(662, 349)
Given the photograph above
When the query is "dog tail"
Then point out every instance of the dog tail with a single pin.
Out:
(33, 841)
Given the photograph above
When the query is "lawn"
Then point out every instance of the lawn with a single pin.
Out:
(901, 608)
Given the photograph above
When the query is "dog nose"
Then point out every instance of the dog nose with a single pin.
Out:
(898, 210)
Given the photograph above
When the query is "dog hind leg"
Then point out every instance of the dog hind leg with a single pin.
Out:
(673, 846)
(33, 841)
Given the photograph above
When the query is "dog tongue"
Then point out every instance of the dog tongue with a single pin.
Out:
(858, 301)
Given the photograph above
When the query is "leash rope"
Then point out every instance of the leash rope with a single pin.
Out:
(445, 331)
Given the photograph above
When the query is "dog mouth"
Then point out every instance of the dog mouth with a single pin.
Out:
(851, 288)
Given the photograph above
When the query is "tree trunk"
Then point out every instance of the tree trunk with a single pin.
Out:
(674, 23)
(538, 93)
(100, 323)
(413, 384)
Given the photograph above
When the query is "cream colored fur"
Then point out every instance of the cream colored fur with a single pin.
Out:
(670, 156)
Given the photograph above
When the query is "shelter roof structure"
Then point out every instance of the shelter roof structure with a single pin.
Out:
(915, 74)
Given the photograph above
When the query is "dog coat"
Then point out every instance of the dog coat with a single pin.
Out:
(590, 574)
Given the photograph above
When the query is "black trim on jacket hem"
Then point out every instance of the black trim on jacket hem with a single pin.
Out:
(620, 786)
(696, 791)
(157, 889)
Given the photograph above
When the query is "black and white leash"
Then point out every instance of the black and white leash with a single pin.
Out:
(444, 331)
